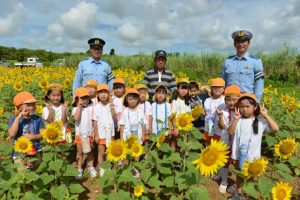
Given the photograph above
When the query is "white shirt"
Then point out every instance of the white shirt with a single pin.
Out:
(146, 107)
(159, 76)
(118, 104)
(84, 126)
(94, 101)
(102, 114)
(179, 106)
(162, 112)
(244, 135)
(57, 112)
(133, 122)
(228, 117)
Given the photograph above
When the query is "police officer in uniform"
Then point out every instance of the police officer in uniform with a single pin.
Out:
(93, 68)
(243, 69)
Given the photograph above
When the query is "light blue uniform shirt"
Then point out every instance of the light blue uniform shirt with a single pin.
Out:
(246, 72)
(89, 69)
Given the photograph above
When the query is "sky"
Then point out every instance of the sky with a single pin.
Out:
(134, 26)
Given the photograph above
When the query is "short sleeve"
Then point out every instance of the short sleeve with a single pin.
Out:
(149, 108)
(265, 125)
(45, 113)
(174, 106)
(41, 124)
(122, 119)
(95, 113)
(74, 111)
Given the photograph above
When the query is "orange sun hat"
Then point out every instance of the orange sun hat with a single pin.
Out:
(218, 82)
(91, 83)
(23, 97)
(103, 87)
(119, 80)
(250, 95)
(233, 90)
(80, 92)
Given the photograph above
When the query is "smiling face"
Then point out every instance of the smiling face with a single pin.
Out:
(92, 91)
(193, 92)
(231, 102)
(103, 96)
(96, 52)
(119, 90)
(217, 91)
(160, 63)
(143, 95)
(55, 97)
(29, 108)
(241, 46)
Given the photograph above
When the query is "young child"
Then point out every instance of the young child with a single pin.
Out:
(248, 128)
(180, 98)
(211, 104)
(56, 109)
(161, 110)
(25, 123)
(84, 136)
(133, 121)
(145, 105)
(91, 85)
(197, 99)
(223, 120)
(103, 122)
(118, 93)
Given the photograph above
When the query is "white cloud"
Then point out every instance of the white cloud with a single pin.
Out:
(129, 32)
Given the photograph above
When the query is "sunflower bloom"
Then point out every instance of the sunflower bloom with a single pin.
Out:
(267, 100)
(291, 108)
(197, 112)
(1, 111)
(284, 98)
(18, 86)
(171, 118)
(116, 150)
(136, 150)
(43, 84)
(184, 122)
(138, 190)
(22, 145)
(282, 191)
(160, 140)
(52, 133)
(132, 139)
(266, 90)
(212, 157)
(39, 109)
(285, 148)
(255, 168)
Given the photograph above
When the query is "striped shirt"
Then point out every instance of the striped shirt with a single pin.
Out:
(151, 79)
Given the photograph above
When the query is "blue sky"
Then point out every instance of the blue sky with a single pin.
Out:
(134, 26)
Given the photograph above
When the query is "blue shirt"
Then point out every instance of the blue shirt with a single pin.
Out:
(31, 125)
(246, 72)
(89, 69)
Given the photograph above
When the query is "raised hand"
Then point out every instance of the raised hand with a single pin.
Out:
(48, 105)
(237, 114)
(219, 113)
(263, 110)
(65, 106)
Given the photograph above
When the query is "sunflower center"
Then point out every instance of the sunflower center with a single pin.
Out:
(183, 122)
(209, 157)
(135, 149)
(117, 150)
(137, 190)
(255, 169)
(23, 145)
(280, 193)
(52, 134)
(286, 148)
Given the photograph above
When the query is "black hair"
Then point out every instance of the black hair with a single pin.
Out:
(62, 99)
(256, 112)
(118, 85)
(186, 98)
(194, 84)
(135, 96)
(100, 91)
(162, 89)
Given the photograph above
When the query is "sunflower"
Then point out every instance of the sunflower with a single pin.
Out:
(285, 148)
(171, 118)
(132, 139)
(266, 90)
(136, 150)
(212, 157)
(39, 109)
(27, 81)
(291, 108)
(255, 168)
(43, 84)
(284, 98)
(282, 191)
(22, 145)
(160, 140)
(1, 111)
(18, 86)
(267, 100)
(292, 100)
(197, 112)
(116, 150)
(138, 190)
(184, 122)
(52, 133)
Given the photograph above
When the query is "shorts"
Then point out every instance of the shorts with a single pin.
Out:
(208, 138)
(78, 139)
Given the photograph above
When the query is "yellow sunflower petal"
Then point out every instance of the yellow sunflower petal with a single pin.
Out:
(282, 191)
(255, 168)
(52, 133)
(138, 190)
(116, 150)
(22, 145)
(136, 150)
(184, 122)
(285, 148)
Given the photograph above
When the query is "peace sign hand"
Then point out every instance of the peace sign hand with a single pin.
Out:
(263, 110)
(237, 114)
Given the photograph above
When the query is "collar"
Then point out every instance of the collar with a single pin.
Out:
(164, 69)
(245, 57)
(91, 59)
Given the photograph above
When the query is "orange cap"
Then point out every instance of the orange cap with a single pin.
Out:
(132, 91)
(119, 80)
(219, 82)
(233, 90)
(102, 87)
(55, 86)
(23, 97)
(250, 95)
(92, 83)
(80, 92)
(141, 86)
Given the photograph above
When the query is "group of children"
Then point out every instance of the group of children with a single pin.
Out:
(101, 115)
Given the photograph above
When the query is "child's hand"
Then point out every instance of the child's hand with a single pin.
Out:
(237, 114)
(23, 113)
(48, 105)
(65, 106)
(263, 111)
(219, 113)
(28, 136)
(97, 139)
(112, 106)
(197, 104)
(176, 132)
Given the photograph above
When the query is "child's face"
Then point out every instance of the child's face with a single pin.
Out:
(161, 97)
(84, 101)
(132, 101)
(92, 91)
(183, 92)
(29, 108)
(230, 102)
(119, 90)
(194, 92)
(246, 109)
(217, 91)
(103, 96)
(55, 97)
(143, 95)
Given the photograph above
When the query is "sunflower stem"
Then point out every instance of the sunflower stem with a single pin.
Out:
(272, 168)
(184, 152)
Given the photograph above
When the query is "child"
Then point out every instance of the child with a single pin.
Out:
(103, 122)
(211, 104)
(197, 99)
(25, 123)
(133, 120)
(180, 103)
(118, 93)
(161, 110)
(248, 128)
(56, 110)
(82, 115)
(223, 120)
(91, 85)
(145, 105)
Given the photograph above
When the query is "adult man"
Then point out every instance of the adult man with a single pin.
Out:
(242, 69)
(159, 74)
(93, 68)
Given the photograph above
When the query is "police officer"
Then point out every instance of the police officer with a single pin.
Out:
(93, 67)
(243, 69)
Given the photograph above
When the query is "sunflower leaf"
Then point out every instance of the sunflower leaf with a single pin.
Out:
(46, 178)
(70, 171)
(249, 188)
(196, 192)
(169, 181)
(145, 174)
(59, 192)
(55, 165)
(264, 186)
(271, 141)
(283, 167)
(294, 161)
(154, 182)
(76, 188)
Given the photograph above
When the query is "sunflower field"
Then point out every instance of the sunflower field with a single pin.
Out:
(164, 172)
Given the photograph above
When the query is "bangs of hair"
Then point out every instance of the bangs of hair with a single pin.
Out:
(161, 89)
(183, 85)
(194, 84)
(118, 85)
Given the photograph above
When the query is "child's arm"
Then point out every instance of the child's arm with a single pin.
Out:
(96, 134)
(64, 117)
(13, 129)
(112, 110)
(150, 124)
(221, 123)
(33, 136)
(143, 132)
(77, 115)
(121, 131)
(272, 124)
(232, 126)
(50, 118)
